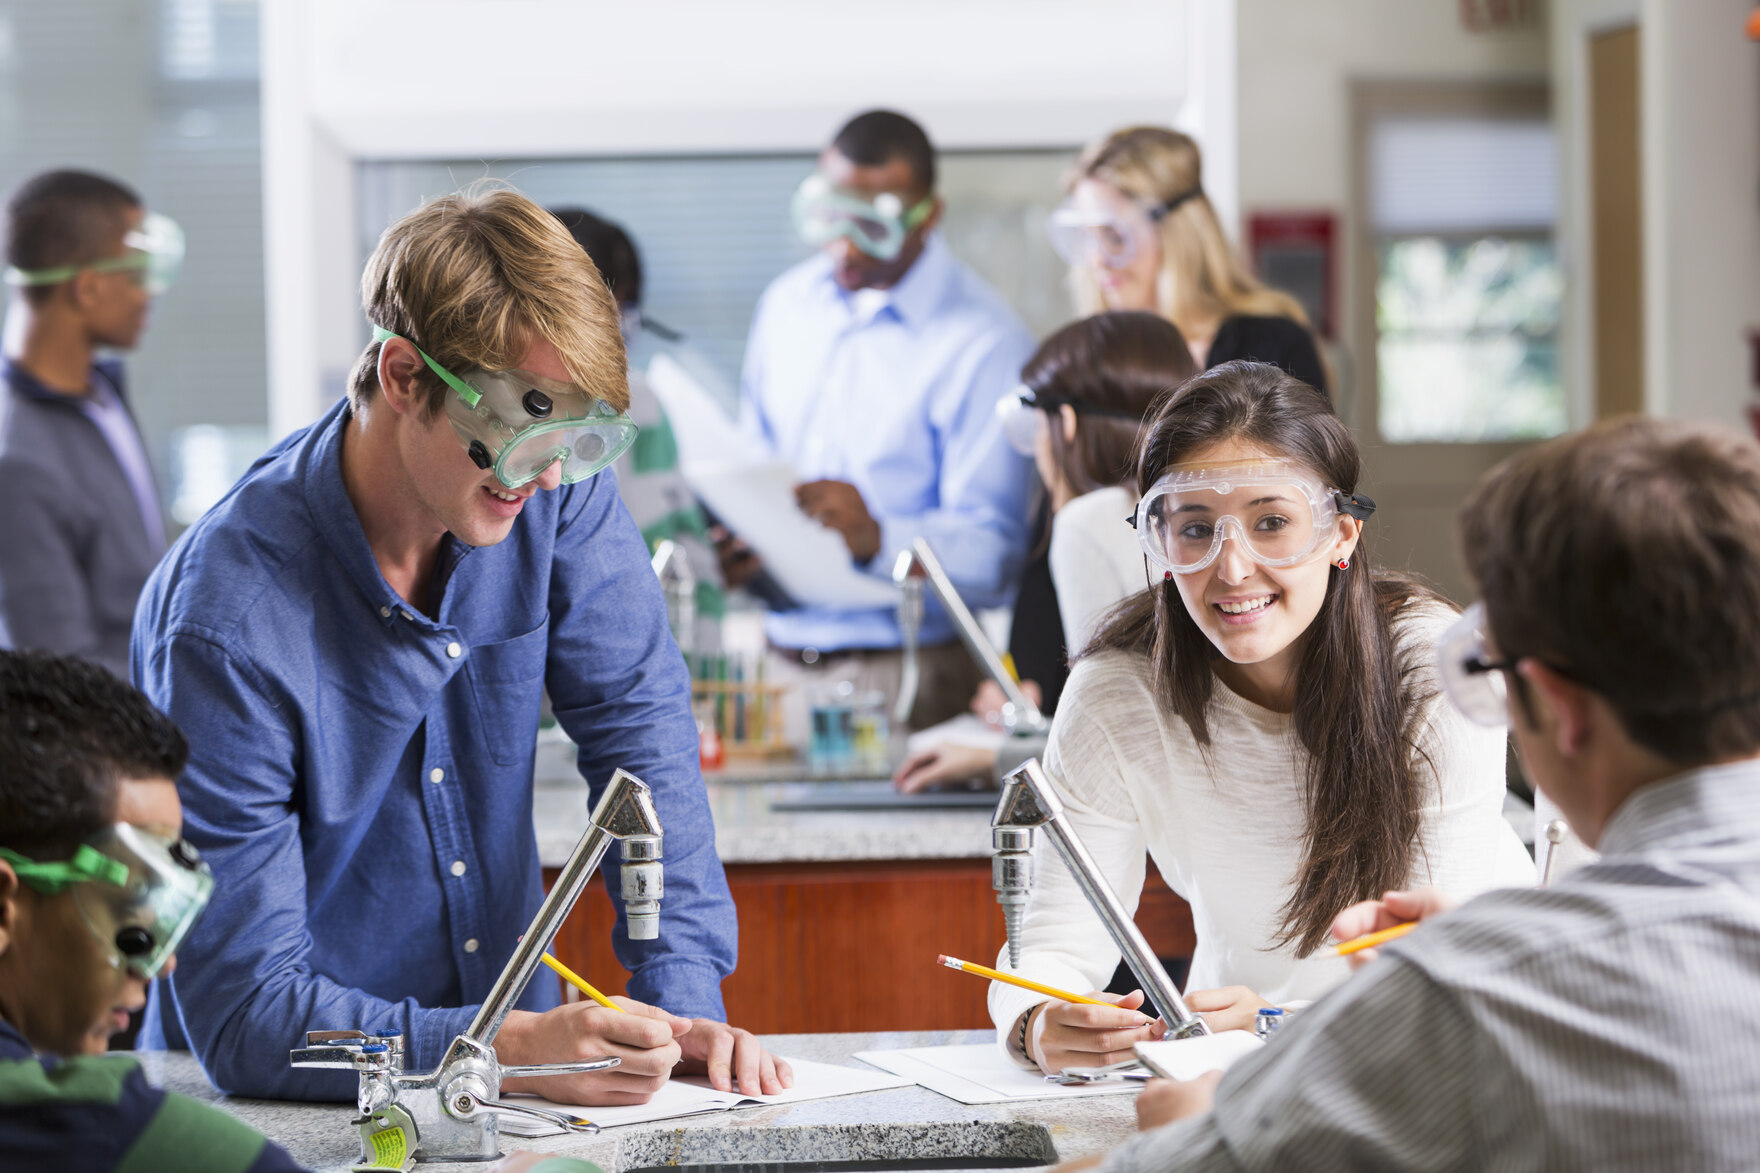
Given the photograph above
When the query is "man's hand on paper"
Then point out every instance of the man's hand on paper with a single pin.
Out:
(1071, 1034)
(838, 505)
(943, 765)
(645, 1038)
(1227, 1008)
(1394, 908)
(739, 565)
(987, 702)
(1163, 1101)
(727, 1053)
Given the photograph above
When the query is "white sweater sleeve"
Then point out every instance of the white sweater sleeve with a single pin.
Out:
(1094, 562)
(1063, 942)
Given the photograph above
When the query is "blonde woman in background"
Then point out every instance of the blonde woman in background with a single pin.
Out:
(1139, 234)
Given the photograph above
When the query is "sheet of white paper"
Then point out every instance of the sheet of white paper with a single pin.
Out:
(692, 1095)
(966, 729)
(1190, 1058)
(979, 1073)
(753, 495)
(704, 433)
(810, 562)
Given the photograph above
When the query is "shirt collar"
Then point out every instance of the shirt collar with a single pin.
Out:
(28, 386)
(919, 292)
(1722, 799)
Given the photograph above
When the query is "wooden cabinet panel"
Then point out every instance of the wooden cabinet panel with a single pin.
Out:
(852, 946)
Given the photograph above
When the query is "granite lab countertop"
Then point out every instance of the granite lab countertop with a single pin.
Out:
(320, 1135)
(749, 830)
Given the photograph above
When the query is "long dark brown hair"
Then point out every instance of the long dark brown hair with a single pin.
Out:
(1356, 705)
(1120, 363)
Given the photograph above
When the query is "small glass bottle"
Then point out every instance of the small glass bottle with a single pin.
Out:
(1268, 1021)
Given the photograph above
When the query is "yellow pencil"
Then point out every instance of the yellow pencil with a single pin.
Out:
(582, 984)
(1023, 983)
(1370, 940)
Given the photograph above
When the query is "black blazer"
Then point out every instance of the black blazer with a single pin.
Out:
(1279, 341)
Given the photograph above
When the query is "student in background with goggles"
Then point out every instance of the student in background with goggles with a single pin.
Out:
(1607, 1021)
(1139, 234)
(874, 367)
(357, 641)
(1078, 412)
(648, 479)
(1264, 720)
(82, 527)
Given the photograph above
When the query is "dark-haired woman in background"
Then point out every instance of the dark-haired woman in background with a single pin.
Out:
(1078, 413)
(1265, 723)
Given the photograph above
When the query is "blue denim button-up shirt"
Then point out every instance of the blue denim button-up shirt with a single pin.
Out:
(360, 775)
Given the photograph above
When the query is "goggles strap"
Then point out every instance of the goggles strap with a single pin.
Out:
(1053, 402)
(1176, 201)
(465, 391)
(1355, 504)
(57, 876)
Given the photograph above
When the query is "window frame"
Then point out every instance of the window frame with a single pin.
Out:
(1374, 101)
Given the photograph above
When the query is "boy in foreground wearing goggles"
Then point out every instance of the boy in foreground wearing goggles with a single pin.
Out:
(357, 642)
(1606, 1022)
(82, 526)
(96, 891)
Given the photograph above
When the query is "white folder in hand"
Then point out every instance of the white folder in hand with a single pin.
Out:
(752, 493)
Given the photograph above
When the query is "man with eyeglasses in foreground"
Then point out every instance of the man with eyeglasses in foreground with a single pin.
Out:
(357, 641)
(1607, 1022)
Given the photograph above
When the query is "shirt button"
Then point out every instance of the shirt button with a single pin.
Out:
(458, 867)
(384, 612)
(436, 775)
(453, 650)
(470, 946)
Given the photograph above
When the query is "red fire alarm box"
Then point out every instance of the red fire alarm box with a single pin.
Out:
(1297, 252)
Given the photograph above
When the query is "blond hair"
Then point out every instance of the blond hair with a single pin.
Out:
(473, 279)
(1202, 280)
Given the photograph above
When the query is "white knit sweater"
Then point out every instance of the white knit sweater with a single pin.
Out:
(1226, 832)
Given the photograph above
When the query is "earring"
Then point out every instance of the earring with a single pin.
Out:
(1343, 564)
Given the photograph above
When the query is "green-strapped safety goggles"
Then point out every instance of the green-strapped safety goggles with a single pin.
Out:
(154, 258)
(519, 424)
(138, 892)
(822, 213)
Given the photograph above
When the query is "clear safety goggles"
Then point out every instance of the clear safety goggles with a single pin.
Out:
(1277, 512)
(1109, 238)
(519, 424)
(154, 258)
(1472, 680)
(1023, 414)
(138, 892)
(877, 227)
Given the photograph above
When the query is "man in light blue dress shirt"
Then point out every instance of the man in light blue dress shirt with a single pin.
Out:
(875, 368)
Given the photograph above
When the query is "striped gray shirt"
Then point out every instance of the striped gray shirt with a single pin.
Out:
(1611, 1022)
